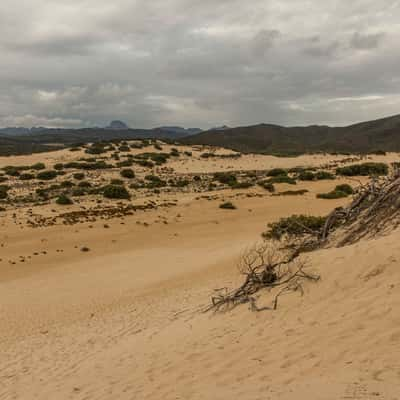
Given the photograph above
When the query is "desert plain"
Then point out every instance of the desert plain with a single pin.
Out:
(104, 298)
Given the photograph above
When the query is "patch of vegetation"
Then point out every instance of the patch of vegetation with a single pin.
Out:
(282, 179)
(116, 192)
(154, 181)
(339, 192)
(295, 225)
(267, 186)
(364, 169)
(225, 178)
(47, 175)
(78, 176)
(26, 176)
(64, 200)
(242, 185)
(227, 206)
(117, 182)
(292, 192)
(127, 173)
(277, 172)
(324, 175)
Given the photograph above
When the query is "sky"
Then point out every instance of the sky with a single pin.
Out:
(198, 63)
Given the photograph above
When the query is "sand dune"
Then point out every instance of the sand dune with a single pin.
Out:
(124, 320)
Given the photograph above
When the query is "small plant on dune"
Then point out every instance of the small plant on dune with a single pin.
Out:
(64, 200)
(3, 192)
(294, 225)
(277, 172)
(38, 166)
(46, 175)
(78, 176)
(306, 176)
(324, 175)
(282, 179)
(365, 169)
(292, 192)
(226, 178)
(127, 173)
(227, 206)
(26, 177)
(116, 192)
(267, 186)
(339, 192)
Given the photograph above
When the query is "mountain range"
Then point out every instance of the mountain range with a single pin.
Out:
(381, 134)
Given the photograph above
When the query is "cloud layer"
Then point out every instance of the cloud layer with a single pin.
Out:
(198, 62)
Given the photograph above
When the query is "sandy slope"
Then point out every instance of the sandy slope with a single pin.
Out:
(122, 321)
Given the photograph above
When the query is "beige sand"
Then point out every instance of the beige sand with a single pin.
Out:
(122, 321)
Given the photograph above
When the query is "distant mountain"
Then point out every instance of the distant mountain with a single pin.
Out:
(178, 130)
(14, 131)
(25, 141)
(117, 125)
(364, 137)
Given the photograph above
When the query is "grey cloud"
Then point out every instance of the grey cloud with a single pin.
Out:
(366, 41)
(197, 63)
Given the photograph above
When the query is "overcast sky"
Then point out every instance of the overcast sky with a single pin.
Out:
(198, 63)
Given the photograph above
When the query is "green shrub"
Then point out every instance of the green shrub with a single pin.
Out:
(46, 175)
(116, 182)
(339, 192)
(306, 176)
(58, 166)
(127, 173)
(3, 192)
(38, 166)
(365, 169)
(277, 172)
(78, 191)
(282, 179)
(84, 184)
(154, 182)
(125, 163)
(324, 175)
(78, 176)
(295, 225)
(292, 192)
(116, 192)
(174, 152)
(346, 188)
(225, 178)
(227, 206)
(267, 186)
(66, 184)
(26, 177)
(242, 185)
(63, 200)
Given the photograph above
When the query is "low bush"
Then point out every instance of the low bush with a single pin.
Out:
(282, 179)
(267, 186)
(127, 173)
(26, 177)
(225, 178)
(227, 206)
(277, 172)
(292, 193)
(116, 192)
(339, 192)
(64, 200)
(46, 175)
(295, 225)
(365, 169)
(78, 176)
(324, 175)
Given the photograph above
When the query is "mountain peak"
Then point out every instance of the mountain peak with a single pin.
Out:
(116, 124)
